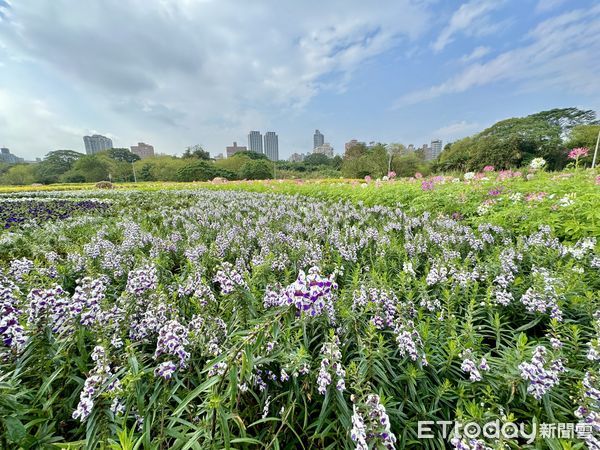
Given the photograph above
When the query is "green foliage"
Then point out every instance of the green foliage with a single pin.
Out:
(408, 165)
(374, 161)
(19, 174)
(515, 142)
(317, 159)
(121, 155)
(160, 168)
(583, 136)
(202, 171)
(55, 164)
(92, 168)
(257, 170)
(196, 152)
(249, 154)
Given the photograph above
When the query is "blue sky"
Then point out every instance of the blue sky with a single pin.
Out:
(175, 73)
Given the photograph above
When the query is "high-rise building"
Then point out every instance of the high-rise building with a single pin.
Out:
(272, 146)
(324, 149)
(96, 143)
(436, 148)
(231, 150)
(7, 157)
(255, 142)
(318, 139)
(143, 150)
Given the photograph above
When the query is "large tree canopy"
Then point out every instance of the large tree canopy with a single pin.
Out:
(514, 142)
(55, 164)
(197, 152)
(122, 155)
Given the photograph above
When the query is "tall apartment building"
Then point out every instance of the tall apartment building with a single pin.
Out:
(436, 148)
(324, 149)
(231, 150)
(318, 139)
(7, 157)
(143, 150)
(96, 143)
(272, 146)
(255, 142)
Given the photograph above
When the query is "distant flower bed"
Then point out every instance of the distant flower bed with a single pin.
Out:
(17, 211)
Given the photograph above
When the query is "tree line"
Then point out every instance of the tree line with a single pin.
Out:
(507, 144)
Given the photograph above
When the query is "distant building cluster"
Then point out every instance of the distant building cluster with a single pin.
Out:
(267, 145)
(143, 150)
(96, 143)
(7, 157)
(320, 146)
(233, 149)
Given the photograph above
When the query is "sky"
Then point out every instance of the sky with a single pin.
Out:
(175, 73)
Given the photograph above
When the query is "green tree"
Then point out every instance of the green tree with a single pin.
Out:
(516, 141)
(121, 155)
(197, 152)
(233, 163)
(257, 170)
(160, 168)
(92, 168)
(202, 171)
(408, 165)
(146, 173)
(583, 136)
(251, 155)
(336, 162)
(317, 159)
(19, 174)
(55, 163)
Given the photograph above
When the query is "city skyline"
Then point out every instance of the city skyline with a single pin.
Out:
(403, 72)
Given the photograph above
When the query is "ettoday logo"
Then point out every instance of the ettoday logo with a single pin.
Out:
(448, 429)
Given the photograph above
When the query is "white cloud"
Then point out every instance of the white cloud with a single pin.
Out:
(195, 70)
(32, 123)
(470, 18)
(559, 55)
(456, 130)
(548, 5)
(477, 53)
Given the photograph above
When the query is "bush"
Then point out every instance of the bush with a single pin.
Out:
(257, 170)
(202, 171)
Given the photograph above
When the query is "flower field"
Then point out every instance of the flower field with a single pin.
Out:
(335, 317)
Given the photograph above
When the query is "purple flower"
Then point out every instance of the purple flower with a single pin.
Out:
(142, 280)
(541, 376)
(165, 370)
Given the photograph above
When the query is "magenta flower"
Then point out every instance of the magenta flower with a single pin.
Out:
(391, 174)
(427, 185)
(368, 178)
(495, 192)
(418, 175)
(488, 169)
(579, 152)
